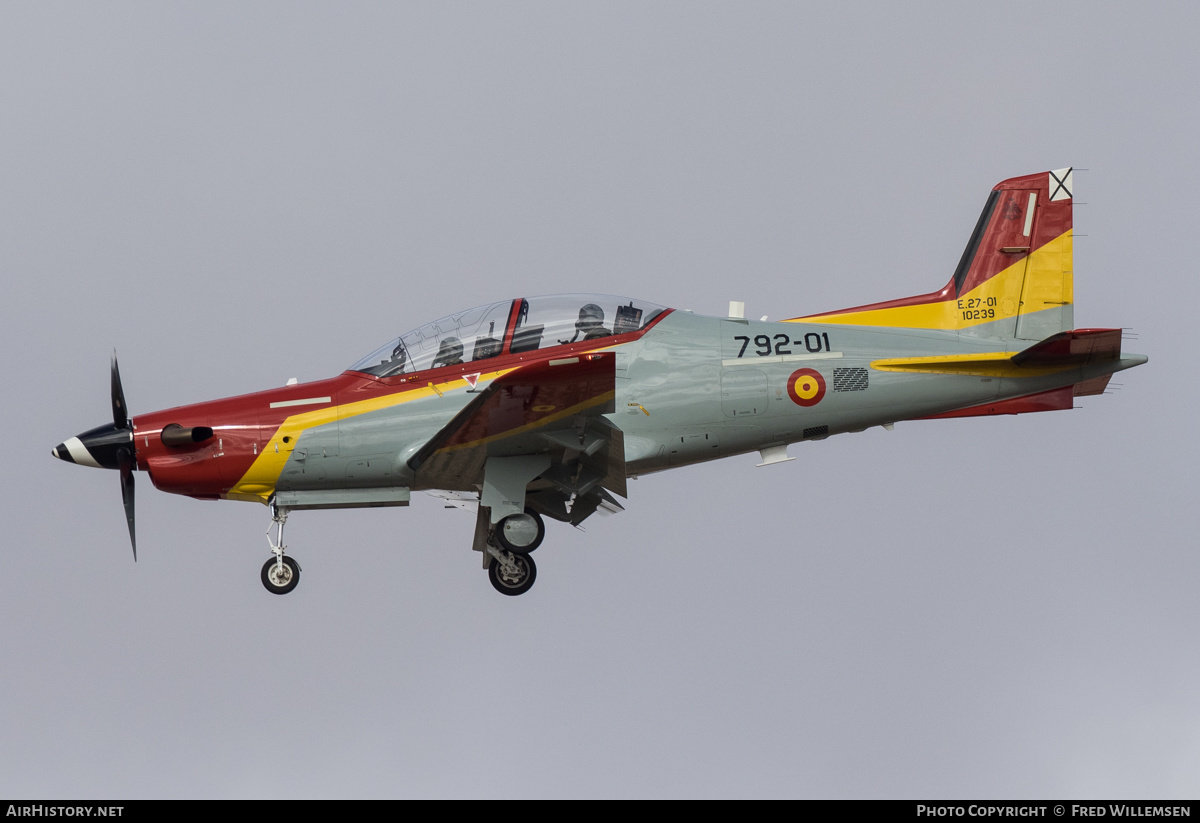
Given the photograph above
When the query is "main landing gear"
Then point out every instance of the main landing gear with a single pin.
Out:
(511, 573)
(521, 533)
(281, 573)
(510, 568)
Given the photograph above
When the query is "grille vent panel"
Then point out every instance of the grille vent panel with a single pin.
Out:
(850, 379)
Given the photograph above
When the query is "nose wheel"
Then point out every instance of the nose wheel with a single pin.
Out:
(280, 574)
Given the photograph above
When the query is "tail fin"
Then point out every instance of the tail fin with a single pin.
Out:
(1014, 279)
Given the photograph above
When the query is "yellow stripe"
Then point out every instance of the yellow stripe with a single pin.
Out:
(258, 483)
(1049, 285)
(991, 364)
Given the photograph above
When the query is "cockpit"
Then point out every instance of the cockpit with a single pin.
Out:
(526, 324)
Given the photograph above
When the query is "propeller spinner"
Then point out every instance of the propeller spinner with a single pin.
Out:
(108, 447)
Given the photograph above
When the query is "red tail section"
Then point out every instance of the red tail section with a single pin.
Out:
(1014, 278)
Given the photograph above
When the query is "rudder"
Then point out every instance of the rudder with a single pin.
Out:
(1014, 279)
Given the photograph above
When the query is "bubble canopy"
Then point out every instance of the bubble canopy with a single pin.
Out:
(509, 327)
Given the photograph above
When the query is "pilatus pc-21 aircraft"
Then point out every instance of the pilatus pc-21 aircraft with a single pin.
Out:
(544, 407)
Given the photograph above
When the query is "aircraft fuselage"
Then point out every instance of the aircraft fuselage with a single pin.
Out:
(690, 389)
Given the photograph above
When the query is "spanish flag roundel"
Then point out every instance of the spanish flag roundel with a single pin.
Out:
(806, 387)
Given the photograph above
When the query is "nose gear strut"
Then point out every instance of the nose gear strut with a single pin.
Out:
(281, 573)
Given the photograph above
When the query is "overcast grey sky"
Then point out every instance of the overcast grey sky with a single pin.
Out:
(233, 194)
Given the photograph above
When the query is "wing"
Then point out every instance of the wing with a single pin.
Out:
(553, 408)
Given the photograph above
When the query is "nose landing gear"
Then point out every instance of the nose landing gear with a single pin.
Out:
(281, 573)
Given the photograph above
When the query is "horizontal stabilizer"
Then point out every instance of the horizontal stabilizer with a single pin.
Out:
(1074, 347)
(1096, 385)
(1053, 400)
(1093, 354)
(1059, 352)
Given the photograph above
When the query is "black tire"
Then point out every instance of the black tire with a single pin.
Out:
(514, 519)
(284, 582)
(515, 585)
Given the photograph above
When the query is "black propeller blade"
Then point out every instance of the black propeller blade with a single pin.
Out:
(111, 446)
(120, 412)
(124, 455)
(125, 461)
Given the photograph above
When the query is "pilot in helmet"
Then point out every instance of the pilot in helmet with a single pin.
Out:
(590, 324)
(450, 353)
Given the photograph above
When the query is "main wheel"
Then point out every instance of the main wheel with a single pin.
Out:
(516, 581)
(280, 580)
(521, 533)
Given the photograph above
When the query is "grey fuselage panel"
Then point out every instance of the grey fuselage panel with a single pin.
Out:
(696, 388)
